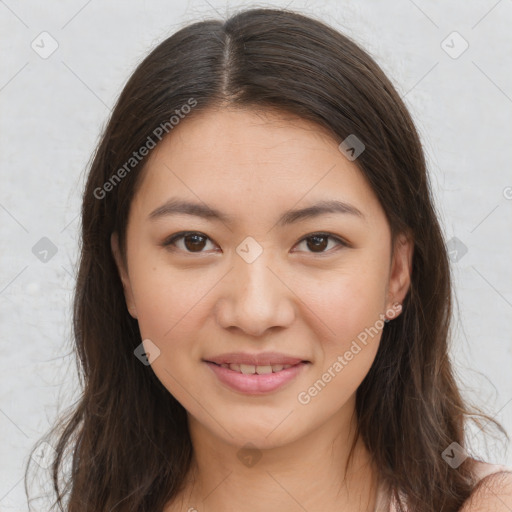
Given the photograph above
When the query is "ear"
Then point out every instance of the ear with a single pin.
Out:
(123, 274)
(401, 269)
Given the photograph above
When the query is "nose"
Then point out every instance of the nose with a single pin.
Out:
(255, 298)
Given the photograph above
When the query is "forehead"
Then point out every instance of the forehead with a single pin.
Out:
(249, 136)
(252, 159)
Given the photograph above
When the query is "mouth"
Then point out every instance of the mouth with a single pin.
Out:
(250, 369)
(256, 379)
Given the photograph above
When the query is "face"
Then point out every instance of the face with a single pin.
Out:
(239, 274)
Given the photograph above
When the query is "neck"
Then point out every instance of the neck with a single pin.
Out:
(310, 473)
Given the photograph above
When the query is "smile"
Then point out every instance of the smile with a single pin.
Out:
(248, 369)
(255, 379)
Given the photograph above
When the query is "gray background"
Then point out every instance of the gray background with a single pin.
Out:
(52, 110)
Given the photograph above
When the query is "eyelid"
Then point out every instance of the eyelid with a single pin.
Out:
(341, 243)
(169, 241)
(338, 238)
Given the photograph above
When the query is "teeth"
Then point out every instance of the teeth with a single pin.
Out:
(246, 369)
(260, 370)
(250, 369)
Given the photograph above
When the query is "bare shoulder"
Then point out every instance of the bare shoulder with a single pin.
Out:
(492, 493)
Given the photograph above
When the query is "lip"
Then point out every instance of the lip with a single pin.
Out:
(261, 359)
(255, 384)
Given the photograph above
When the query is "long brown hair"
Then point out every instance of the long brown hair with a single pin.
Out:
(127, 436)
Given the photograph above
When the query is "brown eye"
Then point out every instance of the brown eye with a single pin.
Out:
(192, 242)
(318, 242)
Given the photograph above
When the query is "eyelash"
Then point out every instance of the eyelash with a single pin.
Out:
(169, 243)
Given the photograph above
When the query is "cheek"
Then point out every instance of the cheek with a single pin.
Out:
(352, 307)
(159, 290)
(171, 304)
(346, 299)
(349, 299)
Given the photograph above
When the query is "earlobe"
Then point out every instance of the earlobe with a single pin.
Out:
(123, 274)
(401, 269)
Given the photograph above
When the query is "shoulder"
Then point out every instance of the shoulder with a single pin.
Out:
(493, 490)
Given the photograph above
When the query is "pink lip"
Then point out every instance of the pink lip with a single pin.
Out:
(256, 384)
(262, 359)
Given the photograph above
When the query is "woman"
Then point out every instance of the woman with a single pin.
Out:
(263, 301)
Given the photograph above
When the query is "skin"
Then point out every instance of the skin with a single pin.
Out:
(290, 299)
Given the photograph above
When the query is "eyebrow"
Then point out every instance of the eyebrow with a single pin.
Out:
(175, 206)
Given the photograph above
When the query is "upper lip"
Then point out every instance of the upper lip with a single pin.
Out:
(261, 359)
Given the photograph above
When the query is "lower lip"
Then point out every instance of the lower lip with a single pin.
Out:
(255, 384)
